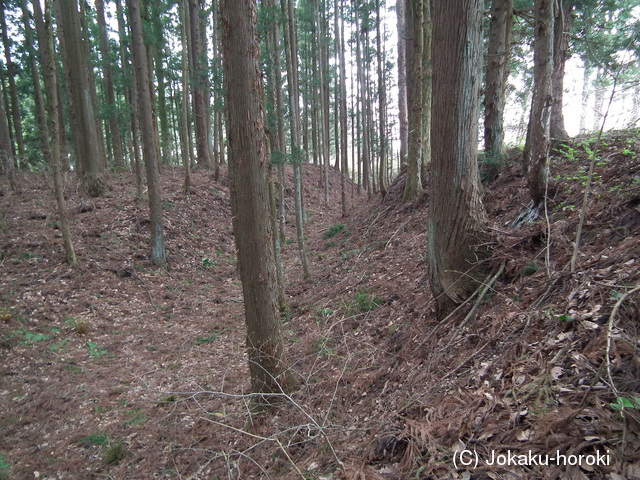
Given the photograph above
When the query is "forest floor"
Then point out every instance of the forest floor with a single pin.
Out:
(119, 370)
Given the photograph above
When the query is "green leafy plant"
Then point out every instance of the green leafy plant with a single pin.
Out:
(626, 402)
(332, 231)
(164, 401)
(135, 416)
(32, 337)
(207, 262)
(323, 347)
(59, 347)
(96, 439)
(168, 204)
(568, 152)
(4, 468)
(565, 318)
(529, 269)
(363, 302)
(94, 350)
(208, 339)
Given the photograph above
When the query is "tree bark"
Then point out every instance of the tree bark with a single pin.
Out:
(274, 149)
(110, 99)
(600, 83)
(39, 113)
(382, 100)
(499, 52)
(15, 105)
(561, 27)
(363, 116)
(198, 77)
(294, 118)
(584, 96)
(415, 51)
(159, 53)
(340, 44)
(150, 146)
(6, 151)
(536, 156)
(184, 111)
(403, 118)
(248, 170)
(216, 93)
(427, 92)
(51, 147)
(457, 228)
(89, 157)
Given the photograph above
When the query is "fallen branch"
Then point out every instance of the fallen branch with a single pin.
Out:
(612, 384)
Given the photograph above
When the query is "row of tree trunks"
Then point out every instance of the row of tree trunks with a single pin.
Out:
(109, 93)
(87, 138)
(294, 122)
(497, 74)
(199, 87)
(15, 106)
(149, 134)
(51, 133)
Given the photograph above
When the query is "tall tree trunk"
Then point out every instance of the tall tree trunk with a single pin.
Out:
(279, 106)
(536, 156)
(51, 147)
(321, 54)
(415, 51)
(403, 118)
(198, 77)
(496, 78)
(600, 86)
(89, 157)
(158, 54)
(274, 149)
(561, 27)
(363, 116)
(324, 86)
(250, 197)
(15, 105)
(216, 92)
(39, 112)
(127, 144)
(584, 96)
(635, 106)
(6, 151)
(110, 99)
(93, 90)
(340, 44)
(184, 111)
(457, 226)
(427, 87)
(294, 118)
(150, 147)
(382, 100)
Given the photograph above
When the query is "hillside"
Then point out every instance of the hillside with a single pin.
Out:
(118, 370)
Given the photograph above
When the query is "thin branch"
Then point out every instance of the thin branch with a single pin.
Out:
(587, 188)
(610, 325)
